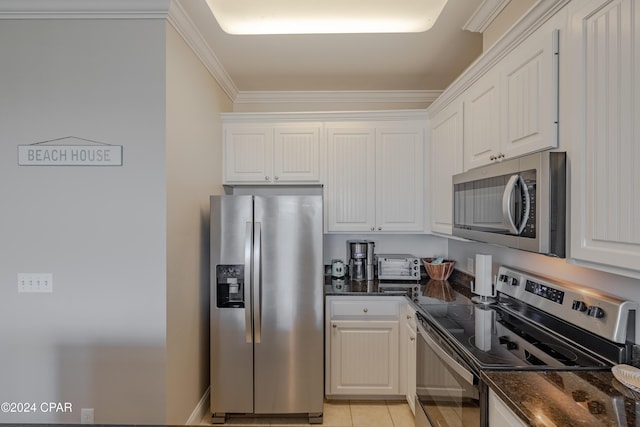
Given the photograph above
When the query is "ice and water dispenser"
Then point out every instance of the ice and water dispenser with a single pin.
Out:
(230, 286)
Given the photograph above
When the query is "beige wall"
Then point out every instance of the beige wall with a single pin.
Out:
(509, 16)
(194, 172)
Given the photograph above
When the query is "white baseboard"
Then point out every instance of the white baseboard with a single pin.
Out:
(201, 409)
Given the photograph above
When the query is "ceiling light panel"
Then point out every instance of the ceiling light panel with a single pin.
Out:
(325, 16)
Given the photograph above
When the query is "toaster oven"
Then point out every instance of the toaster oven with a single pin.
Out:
(398, 267)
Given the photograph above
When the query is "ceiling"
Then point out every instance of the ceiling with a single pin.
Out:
(367, 62)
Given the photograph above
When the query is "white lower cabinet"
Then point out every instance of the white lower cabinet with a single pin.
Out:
(363, 346)
(410, 345)
(500, 415)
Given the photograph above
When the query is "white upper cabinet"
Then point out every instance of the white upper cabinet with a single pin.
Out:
(512, 109)
(530, 92)
(248, 153)
(350, 188)
(400, 178)
(446, 161)
(271, 153)
(375, 177)
(482, 133)
(602, 111)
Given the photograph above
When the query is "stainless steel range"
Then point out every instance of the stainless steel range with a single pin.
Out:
(535, 323)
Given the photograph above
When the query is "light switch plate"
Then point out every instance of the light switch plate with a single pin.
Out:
(35, 282)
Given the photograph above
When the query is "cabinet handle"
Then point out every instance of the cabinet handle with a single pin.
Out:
(334, 326)
(276, 178)
(492, 157)
(266, 178)
(501, 156)
(412, 338)
(365, 309)
(409, 317)
(373, 229)
(379, 228)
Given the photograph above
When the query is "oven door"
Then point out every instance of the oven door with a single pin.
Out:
(447, 391)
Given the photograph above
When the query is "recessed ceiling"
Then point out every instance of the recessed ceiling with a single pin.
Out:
(325, 16)
(428, 60)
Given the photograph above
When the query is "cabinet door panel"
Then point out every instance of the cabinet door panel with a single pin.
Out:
(482, 121)
(605, 122)
(350, 193)
(364, 357)
(530, 97)
(248, 154)
(296, 154)
(399, 179)
(446, 161)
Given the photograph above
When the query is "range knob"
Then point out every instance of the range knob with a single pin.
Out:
(595, 311)
(579, 305)
(512, 281)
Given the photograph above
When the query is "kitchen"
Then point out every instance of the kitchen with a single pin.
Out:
(129, 313)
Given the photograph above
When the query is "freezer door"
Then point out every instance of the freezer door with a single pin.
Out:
(231, 340)
(288, 307)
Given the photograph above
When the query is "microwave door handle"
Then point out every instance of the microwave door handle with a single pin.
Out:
(507, 215)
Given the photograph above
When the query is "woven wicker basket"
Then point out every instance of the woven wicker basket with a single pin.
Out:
(438, 271)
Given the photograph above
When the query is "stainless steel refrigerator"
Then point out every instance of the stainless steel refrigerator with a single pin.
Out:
(267, 280)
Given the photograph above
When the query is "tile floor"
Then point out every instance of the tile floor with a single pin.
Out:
(342, 413)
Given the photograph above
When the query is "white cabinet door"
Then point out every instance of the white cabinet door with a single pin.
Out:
(375, 178)
(297, 154)
(248, 153)
(411, 348)
(603, 113)
(500, 414)
(400, 179)
(512, 110)
(364, 357)
(270, 153)
(482, 121)
(446, 161)
(530, 93)
(350, 186)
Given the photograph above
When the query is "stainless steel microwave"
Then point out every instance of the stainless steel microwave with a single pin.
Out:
(519, 203)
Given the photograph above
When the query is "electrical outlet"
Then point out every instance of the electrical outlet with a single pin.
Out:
(35, 282)
(470, 266)
(86, 416)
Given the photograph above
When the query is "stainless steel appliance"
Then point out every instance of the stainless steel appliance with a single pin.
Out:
(519, 203)
(267, 306)
(361, 259)
(398, 267)
(536, 324)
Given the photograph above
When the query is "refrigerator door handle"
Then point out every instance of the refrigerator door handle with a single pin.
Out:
(247, 280)
(257, 282)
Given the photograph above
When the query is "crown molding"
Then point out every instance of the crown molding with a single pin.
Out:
(306, 116)
(338, 96)
(537, 15)
(84, 9)
(484, 15)
(180, 21)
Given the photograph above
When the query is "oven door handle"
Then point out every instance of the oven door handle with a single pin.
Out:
(458, 368)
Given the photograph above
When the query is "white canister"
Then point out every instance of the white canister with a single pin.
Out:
(338, 269)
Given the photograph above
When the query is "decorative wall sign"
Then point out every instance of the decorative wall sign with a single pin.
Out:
(69, 151)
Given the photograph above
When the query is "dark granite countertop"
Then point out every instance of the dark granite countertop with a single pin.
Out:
(566, 398)
(458, 281)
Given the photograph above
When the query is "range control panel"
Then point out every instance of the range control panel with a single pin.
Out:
(591, 309)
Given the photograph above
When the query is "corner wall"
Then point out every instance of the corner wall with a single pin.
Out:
(194, 172)
(98, 341)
